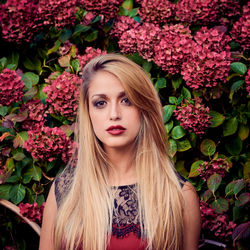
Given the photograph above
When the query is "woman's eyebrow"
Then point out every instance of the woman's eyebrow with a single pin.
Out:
(120, 95)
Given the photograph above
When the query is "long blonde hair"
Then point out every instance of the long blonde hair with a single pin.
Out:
(84, 218)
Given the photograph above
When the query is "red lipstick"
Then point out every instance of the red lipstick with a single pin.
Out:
(116, 130)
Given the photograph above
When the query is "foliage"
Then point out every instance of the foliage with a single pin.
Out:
(195, 52)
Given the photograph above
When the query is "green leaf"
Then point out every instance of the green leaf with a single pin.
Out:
(183, 145)
(3, 62)
(19, 156)
(33, 64)
(96, 19)
(230, 126)
(30, 94)
(176, 83)
(132, 13)
(173, 100)
(241, 232)
(236, 85)
(243, 132)
(229, 190)
(17, 193)
(30, 79)
(76, 65)
(234, 146)
(220, 205)
(54, 48)
(243, 199)
(239, 185)
(193, 170)
(91, 36)
(11, 66)
(213, 182)
(178, 132)
(13, 59)
(20, 139)
(168, 111)
(147, 66)
(246, 170)
(5, 191)
(180, 167)
(206, 195)
(64, 61)
(65, 35)
(160, 83)
(127, 4)
(3, 110)
(172, 147)
(35, 172)
(208, 147)
(217, 119)
(237, 213)
(79, 28)
(186, 93)
(239, 68)
(10, 163)
(169, 126)
(40, 94)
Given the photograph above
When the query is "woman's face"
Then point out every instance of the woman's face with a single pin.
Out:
(116, 122)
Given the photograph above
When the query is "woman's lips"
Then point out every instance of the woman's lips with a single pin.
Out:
(116, 130)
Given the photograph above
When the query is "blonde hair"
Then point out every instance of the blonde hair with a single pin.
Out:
(85, 215)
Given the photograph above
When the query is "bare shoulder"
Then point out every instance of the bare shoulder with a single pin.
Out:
(192, 222)
(49, 218)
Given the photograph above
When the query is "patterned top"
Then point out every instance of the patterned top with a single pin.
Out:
(125, 215)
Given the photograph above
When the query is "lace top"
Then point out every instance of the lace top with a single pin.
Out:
(125, 215)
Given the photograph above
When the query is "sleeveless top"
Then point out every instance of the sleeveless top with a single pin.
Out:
(126, 231)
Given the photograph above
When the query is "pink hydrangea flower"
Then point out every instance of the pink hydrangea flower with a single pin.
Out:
(49, 144)
(11, 87)
(193, 116)
(247, 80)
(229, 8)
(63, 95)
(36, 114)
(90, 53)
(156, 11)
(122, 24)
(241, 29)
(217, 224)
(174, 47)
(197, 11)
(32, 211)
(219, 166)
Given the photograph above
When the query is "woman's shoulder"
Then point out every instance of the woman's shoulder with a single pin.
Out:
(62, 183)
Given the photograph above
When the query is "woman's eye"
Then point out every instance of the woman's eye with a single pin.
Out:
(126, 101)
(99, 104)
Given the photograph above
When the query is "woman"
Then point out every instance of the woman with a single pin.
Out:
(123, 192)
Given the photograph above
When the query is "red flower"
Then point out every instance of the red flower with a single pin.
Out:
(11, 87)
(63, 95)
(49, 144)
(218, 166)
(193, 115)
(247, 80)
(32, 211)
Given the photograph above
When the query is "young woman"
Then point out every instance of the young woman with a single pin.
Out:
(123, 192)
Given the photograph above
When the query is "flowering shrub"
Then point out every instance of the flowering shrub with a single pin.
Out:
(156, 11)
(63, 95)
(218, 224)
(36, 114)
(247, 80)
(11, 87)
(173, 48)
(219, 166)
(193, 11)
(108, 8)
(241, 29)
(49, 144)
(90, 53)
(32, 211)
(193, 115)
(229, 8)
(122, 24)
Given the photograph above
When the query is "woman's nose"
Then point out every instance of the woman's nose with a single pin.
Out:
(115, 112)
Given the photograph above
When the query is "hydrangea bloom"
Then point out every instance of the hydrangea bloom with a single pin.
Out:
(63, 95)
(205, 68)
(90, 53)
(247, 80)
(32, 211)
(48, 144)
(173, 49)
(156, 11)
(36, 114)
(193, 116)
(122, 24)
(218, 224)
(241, 29)
(108, 8)
(218, 166)
(194, 11)
(228, 8)
(11, 87)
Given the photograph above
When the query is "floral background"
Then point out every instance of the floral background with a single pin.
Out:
(197, 54)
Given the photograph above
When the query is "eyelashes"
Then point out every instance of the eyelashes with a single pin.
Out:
(102, 103)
